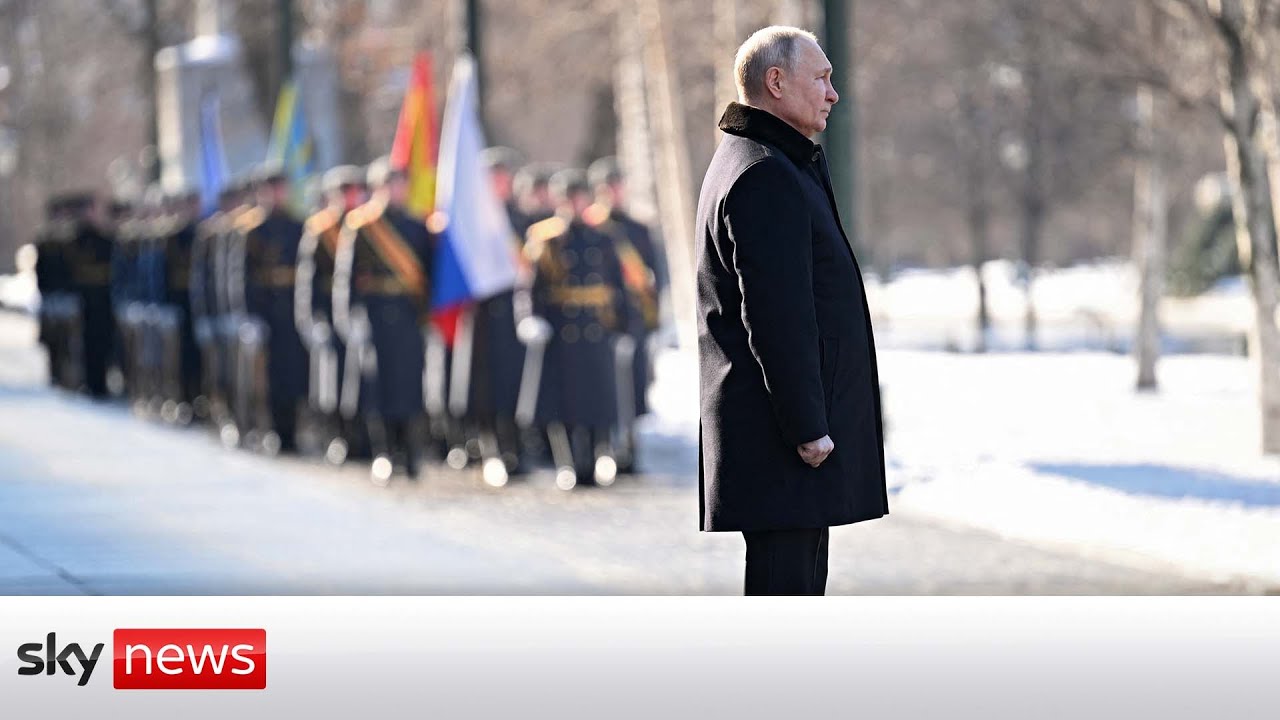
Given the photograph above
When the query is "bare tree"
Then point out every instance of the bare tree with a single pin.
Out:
(1245, 34)
(1150, 211)
(675, 191)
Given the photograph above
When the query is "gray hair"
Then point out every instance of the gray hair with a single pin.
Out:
(774, 46)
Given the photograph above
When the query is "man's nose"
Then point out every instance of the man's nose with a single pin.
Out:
(832, 96)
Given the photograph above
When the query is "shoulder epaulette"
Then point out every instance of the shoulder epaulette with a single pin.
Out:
(363, 215)
(321, 221)
(540, 234)
(544, 230)
(250, 219)
(596, 214)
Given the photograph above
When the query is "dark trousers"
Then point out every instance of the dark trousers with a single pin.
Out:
(786, 562)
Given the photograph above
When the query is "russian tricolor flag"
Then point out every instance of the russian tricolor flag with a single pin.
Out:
(476, 256)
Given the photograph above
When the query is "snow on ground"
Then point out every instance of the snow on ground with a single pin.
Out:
(96, 500)
(1057, 448)
(1091, 305)
(1053, 448)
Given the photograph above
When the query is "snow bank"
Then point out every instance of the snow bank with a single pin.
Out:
(1057, 449)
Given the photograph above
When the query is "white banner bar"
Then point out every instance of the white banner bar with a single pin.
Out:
(653, 657)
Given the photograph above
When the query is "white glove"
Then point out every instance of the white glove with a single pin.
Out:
(533, 330)
(320, 334)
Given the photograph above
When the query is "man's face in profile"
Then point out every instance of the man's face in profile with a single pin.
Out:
(807, 93)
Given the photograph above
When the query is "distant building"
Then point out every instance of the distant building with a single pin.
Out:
(212, 63)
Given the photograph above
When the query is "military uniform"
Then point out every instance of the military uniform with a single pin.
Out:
(530, 202)
(241, 375)
(53, 280)
(639, 262)
(179, 255)
(485, 390)
(126, 295)
(382, 303)
(207, 307)
(158, 336)
(269, 256)
(576, 289)
(89, 256)
(313, 314)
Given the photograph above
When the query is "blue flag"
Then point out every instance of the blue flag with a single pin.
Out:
(213, 162)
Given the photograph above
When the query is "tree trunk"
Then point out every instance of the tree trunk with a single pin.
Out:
(1034, 183)
(1252, 155)
(726, 44)
(1150, 230)
(672, 161)
(979, 231)
(973, 147)
(635, 141)
(150, 47)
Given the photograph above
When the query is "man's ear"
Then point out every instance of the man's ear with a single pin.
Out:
(773, 82)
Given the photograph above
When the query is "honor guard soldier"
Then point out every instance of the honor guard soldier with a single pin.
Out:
(126, 297)
(531, 186)
(231, 314)
(90, 261)
(206, 308)
(381, 308)
(120, 211)
(183, 211)
(488, 360)
(53, 280)
(344, 190)
(156, 345)
(502, 163)
(267, 242)
(641, 265)
(574, 308)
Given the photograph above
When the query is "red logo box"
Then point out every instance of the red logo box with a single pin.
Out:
(190, 659)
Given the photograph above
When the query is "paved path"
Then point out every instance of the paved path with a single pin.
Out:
(95, 500)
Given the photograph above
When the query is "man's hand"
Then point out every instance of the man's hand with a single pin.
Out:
(815, 451)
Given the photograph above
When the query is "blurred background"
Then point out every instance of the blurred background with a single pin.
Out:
(1064, 214)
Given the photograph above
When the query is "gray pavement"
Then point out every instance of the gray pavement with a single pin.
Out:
(94, 500)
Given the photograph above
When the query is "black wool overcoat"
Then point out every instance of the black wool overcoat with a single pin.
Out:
(785, 346)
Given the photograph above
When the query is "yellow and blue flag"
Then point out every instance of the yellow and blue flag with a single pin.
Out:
(291, 145)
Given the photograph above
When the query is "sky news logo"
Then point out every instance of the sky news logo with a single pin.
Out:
(159, 659)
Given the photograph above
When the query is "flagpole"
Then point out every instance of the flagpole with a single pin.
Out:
(475, 43)
(284, 40)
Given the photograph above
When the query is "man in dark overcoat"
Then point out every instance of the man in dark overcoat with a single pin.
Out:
(53, 280)
(791, 434)
(641, 269)
(381, 304)
(90, 262)
(179, 243)
(485, 381)
(270, 237)
(574, 309)
(344, 190)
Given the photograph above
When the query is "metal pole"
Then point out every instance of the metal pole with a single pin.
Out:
(284, 39)
(475, 42)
